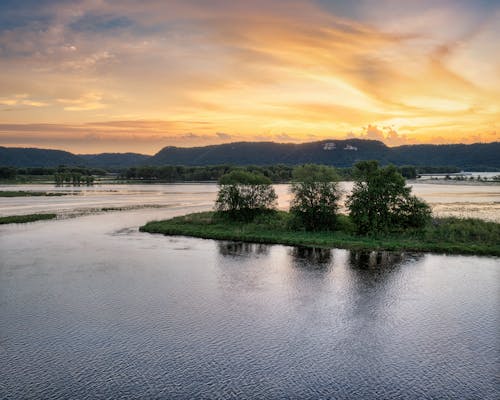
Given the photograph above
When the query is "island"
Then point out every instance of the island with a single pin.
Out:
(383, 215)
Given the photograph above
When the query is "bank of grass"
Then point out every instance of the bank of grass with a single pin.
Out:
(22, 193)
(443, 235)
(20, 219)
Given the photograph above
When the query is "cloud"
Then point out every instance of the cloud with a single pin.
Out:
(386, 134)
(138, 136)
(86, 102)
(223, 136)
(372, 132)
(284, 137)
(22, 100)
(190, 136)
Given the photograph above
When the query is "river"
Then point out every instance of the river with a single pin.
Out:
(92, 308)
(446, 199)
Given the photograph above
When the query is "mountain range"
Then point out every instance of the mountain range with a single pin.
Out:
(339, 153)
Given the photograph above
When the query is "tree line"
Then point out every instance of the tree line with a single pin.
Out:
(278, 173)
(73, 178)
(380, 200)
(177, 173)
(13, 172)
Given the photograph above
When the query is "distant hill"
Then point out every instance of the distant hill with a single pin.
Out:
(114, 160)
(29, 157)
(340, 153)
(32, 157)
(478, 156)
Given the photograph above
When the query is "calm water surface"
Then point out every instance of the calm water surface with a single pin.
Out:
(92, 308)
(446, 199)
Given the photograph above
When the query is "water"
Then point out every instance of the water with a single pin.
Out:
(92, 308)
(452, 199)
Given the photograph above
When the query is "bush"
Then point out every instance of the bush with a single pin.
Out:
(316, 194)
(243, 195)
(380, 201)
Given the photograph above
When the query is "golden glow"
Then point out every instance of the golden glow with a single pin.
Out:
(181, 73)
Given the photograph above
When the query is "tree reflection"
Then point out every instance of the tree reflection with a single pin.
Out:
(311, 257)
(376, 280)
(379, 260)
(242, 249)
(242, 267)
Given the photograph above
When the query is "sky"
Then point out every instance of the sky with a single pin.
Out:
(120, 75)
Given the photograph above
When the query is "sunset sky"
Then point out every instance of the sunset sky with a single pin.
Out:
(94, 76)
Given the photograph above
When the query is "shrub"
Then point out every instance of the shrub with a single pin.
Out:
(380, 201)
(243, 195)
(315, 197)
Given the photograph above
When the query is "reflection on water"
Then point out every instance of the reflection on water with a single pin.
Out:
(379, 260)
(317, 257)
(311, 257)
(92, 308)
(241, 249)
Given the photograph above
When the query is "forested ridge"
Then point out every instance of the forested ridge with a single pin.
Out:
(338, 153)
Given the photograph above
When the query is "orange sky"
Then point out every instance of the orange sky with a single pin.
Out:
(95, 76)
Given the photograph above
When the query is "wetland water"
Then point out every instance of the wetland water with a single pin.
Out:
(463, 200)
(92, 308)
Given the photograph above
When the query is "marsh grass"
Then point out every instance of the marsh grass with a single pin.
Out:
(19, 219)
(444, 235)
(21, 193)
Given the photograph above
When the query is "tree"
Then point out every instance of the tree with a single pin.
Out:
(408, 172)
(7, 173)
(315, 197)
(380, 201)
(242, 195)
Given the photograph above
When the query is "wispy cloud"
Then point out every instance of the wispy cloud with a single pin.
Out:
(88, 101)
(21, 100)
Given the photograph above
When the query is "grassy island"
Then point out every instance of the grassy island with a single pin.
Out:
(20, 219)
(446, 235)
(22, 193)
(383, 214)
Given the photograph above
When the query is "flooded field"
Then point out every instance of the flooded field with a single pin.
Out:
(463, 200)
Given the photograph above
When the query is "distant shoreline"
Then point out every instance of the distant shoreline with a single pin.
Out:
(453, 182)
(158, 182)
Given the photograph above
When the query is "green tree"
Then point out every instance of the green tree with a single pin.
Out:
(242, 195)
(380, 201)
(315, 197)
(408, 172)
(7, 173)
(76, 178)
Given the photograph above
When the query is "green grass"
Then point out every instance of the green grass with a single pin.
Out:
(21, 193)
(443, 235)
(20, 219)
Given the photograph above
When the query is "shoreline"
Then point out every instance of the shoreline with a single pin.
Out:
(453, 182)
(445, 235)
